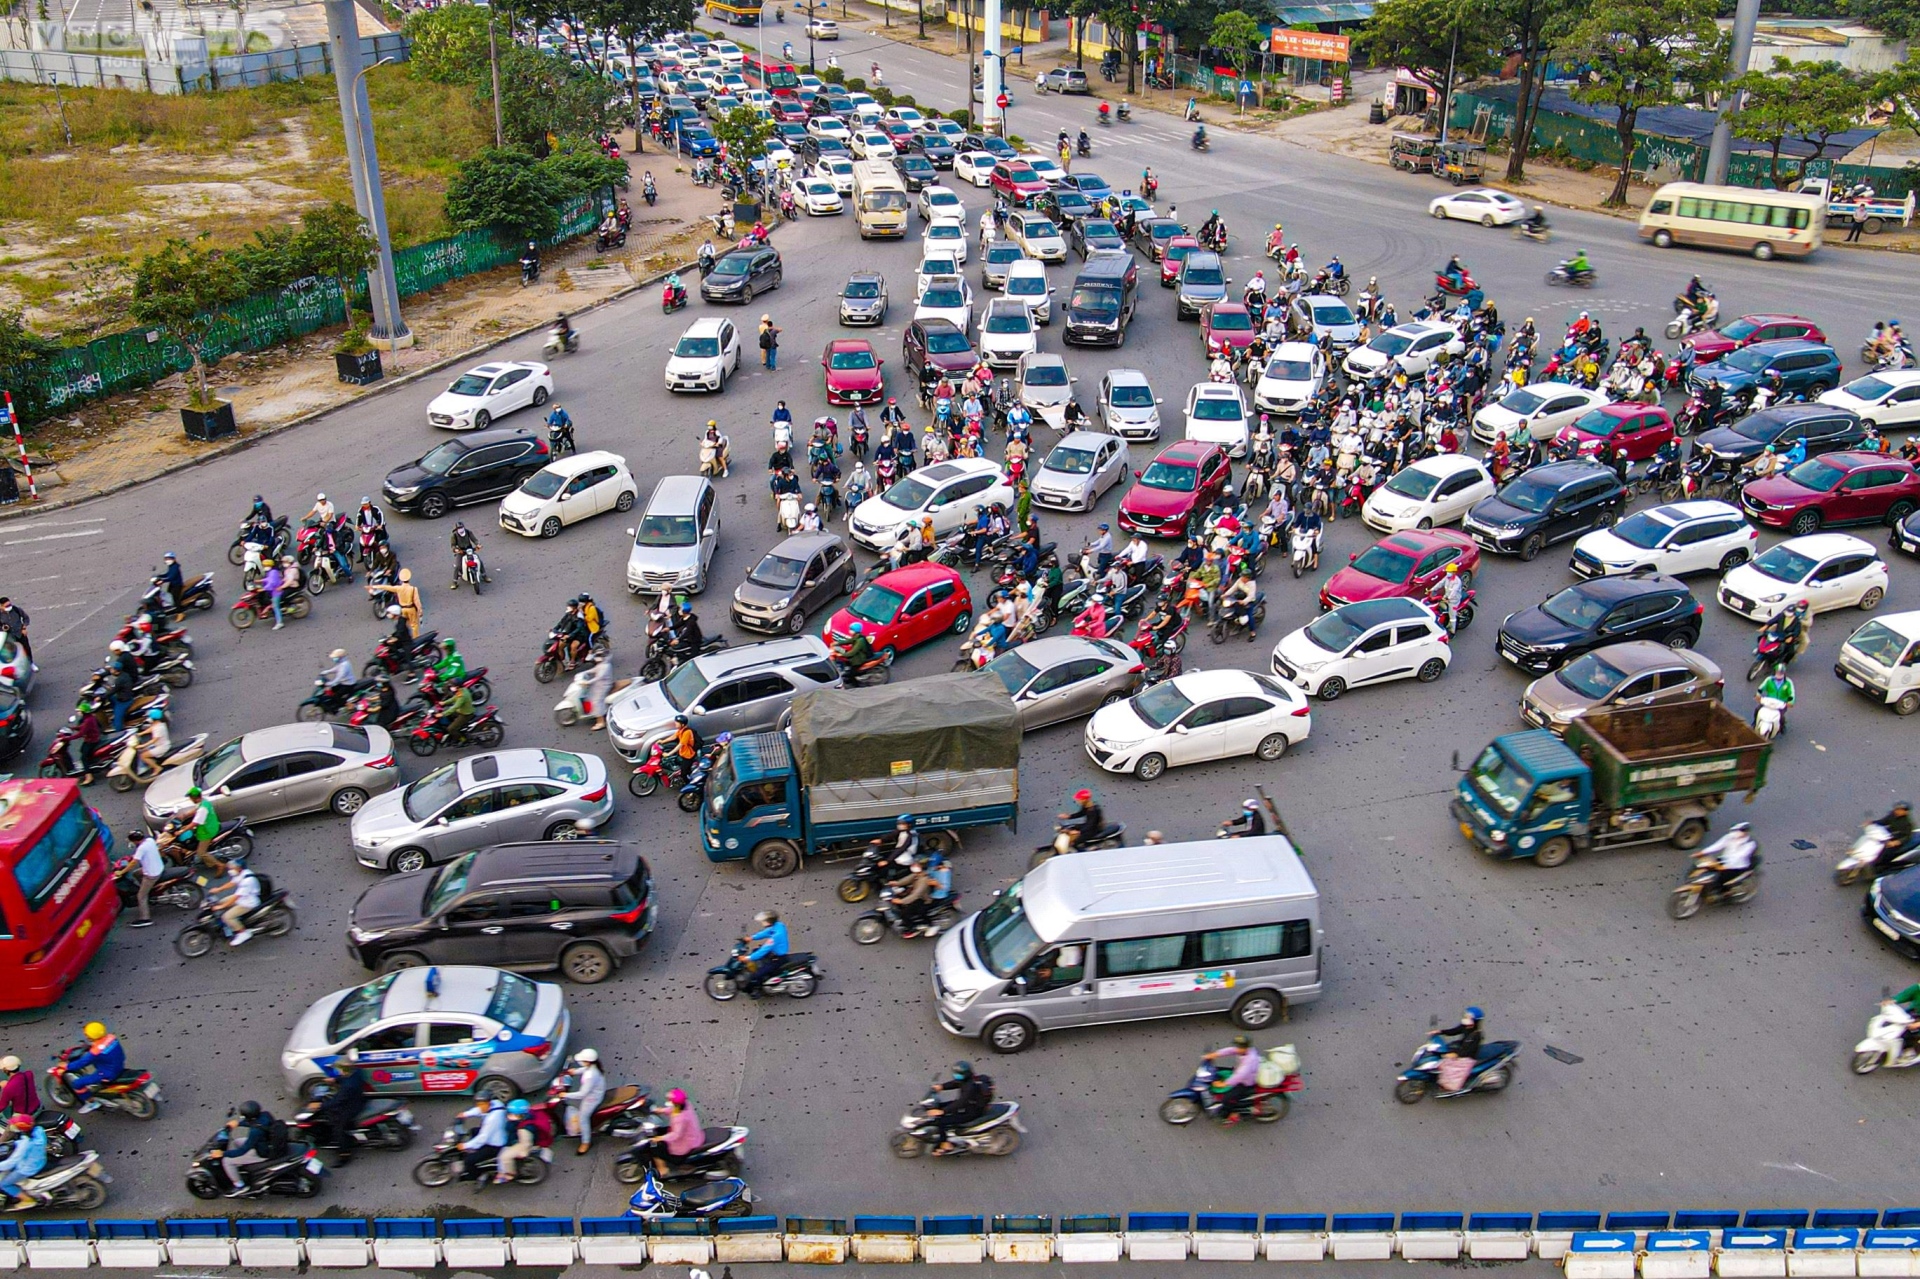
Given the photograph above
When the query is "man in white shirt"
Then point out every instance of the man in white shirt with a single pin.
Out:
(146, 851)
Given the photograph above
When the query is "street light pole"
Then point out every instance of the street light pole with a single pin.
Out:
(363, 167)
(1746, 16)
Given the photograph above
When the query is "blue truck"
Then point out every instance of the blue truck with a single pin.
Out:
(851, 761)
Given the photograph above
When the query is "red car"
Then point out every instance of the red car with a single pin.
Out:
(1185, 478)
(897, 131)
(1016, 180)
(1834, 489)
(1639, 428)
(1172, 256)
(1747, 330)
(790, 109)
(1408, 564)
(904, 609)
(853, 372)
(1226, 325)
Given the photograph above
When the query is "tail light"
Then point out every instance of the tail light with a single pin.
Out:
(1301, 712)
(539, 1051)
(633, 916)
(385, 761)
(1445, 638)
(594, 797)
(1136, 669)
(1698, 608)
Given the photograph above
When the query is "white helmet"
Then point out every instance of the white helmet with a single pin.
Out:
(586, 1056)
(320, 497)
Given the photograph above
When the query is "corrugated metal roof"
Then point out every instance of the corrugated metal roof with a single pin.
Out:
(1541, 753)
(1683, 123)
(762, 754)
(1293, 14)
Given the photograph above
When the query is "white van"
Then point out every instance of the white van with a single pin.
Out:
(1882, 660)
(1130, 934)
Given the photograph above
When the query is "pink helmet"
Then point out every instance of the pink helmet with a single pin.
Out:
(678, 1096)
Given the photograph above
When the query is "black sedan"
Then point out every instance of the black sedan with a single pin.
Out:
(1893, 909)
(1089, 236)
(1066, 206)
(934, 146)
(1151, 236)
(1606, 610)
(471, 468)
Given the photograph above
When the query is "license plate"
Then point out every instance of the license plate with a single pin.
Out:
(314, 1165)
(1466, 830)
(152, 1090)
(1511, 657)
(1739, 601)
(1886, 928)
(1854, 680)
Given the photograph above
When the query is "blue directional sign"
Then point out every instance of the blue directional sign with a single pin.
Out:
(1609, 1241)
(1679, 1240)
(1753, 1239)
(1827, 1237)
(1893, 1238)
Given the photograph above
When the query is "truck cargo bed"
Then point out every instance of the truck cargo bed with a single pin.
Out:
(1661, 754)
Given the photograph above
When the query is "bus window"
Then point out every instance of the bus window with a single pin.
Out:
(42, 867)
(57, 900)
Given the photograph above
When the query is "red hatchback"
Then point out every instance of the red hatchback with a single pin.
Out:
(904, 609)
(1747, 330)
(1185, 478)
(1172, 256)
(1226, 326)
(853, 372)
(1016, 180)
(1835, 489)
(1409, 564)
(1638, 428)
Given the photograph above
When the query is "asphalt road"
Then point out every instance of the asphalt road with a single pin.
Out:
(1700, 1063)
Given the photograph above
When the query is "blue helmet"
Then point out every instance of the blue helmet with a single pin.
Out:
(1477, 1013)
(517, 1107)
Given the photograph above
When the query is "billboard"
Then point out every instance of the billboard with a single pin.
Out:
(1309, 44)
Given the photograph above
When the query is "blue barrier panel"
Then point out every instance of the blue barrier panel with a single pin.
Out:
(1857, 1218)
(285, 1227)
(50, 1231)
(1351, 1222)
(1238, 1223)
(1892, 1238)
(885, 1225)
(1430, 1220)
(1836, 1237)
(405, 1228)
(470, 1228)
(1288, 1223)
(10, 1231)
(680, 1227)
(1900, 1217)
(1638, 1220)
(203, 1228)
(612, 1227)
(816, 1225)
(1606, 1241)
(542, 1227)
(953, 1225)
(1567, 1221)
(1011, 1224)
(1705, 1218)
(317, 1228)
(1679, 1240)
(126, 1230)
(1500, 1221)
(1158, 1221)
(747, 1226)
(1751, 1240)
(1776, 1218)
(1090, 1223)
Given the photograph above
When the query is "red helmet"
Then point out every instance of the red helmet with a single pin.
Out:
(1082, 796)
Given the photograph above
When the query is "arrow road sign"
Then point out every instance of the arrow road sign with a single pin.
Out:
(1734, 1240)
(1602, 1241)
(1679, 1241)
(1892, 1239)
(1826, 1238)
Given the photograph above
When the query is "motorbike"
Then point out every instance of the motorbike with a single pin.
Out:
(561, 343)
(661, 659)
(1687, 321)
(554, 657)
(672, 299)
(382, 1124)
(712, 460)
(716, 1158)
(81, 1185)
(694, 788)
(1886, 1041)
(132, 1092)
(1123, 111)
(529, 271)
(1463, 616)
(1862, 860)
(797, 974)
(656, 768)
(469, 571)
(1228, 622)
(1769, 650)
(935, 918)
(1112, 835)
(1303, 550)
(878, 867)
(1456, 288)
(197, 594)
(573, 703)
(729, 1197)
(1901, 357)
(1201, 142)
(330, 699)
(1492, 1071)
(1563, 274)
(1769, 717)
(445, 1163)
(179, 886)
(1266, 1104)
(273, 917)
(1701, 887)
(874, 670)
(407, 666)
(128, 772)
(63, 1135)
(279, 539)
(474, 681)
(430, 734)
(788, 507)
(995, 1132)
(1084, 148)
(621, 1114)
(256, 605)
(1538, 234)
(58, 761)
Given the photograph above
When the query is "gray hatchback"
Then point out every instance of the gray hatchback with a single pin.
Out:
(1203, 281)
(804, 573)
(864, 299)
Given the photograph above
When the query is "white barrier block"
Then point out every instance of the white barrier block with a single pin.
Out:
(1499, 1245)
(1430, 1245)
(1361, 1245)
(544, 1250)
(1689, 1263)
(817, 1250)
(9, 1254)
(760, 1247)
(613, 1250)
(345, 1254)
(1023, 1248)
(1225, 1245)
(405, 1254)
(136, 1254)
(1091, 1246)
(60, 1254)
(886, 1249)
(1157, 1245)
(953, 1250)
(1599, 1265)
(1552, 1245)
(1287, 1245)
(198, 1252)
(1823, 1261)
(1889, 1263)
(474, 1254)
(1751, 1263)
(286, 1254)
(682, 1250)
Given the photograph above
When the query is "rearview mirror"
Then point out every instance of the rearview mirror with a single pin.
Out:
(629, 532)
(1180, 728)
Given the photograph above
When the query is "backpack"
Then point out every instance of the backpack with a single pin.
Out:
(273, 1143)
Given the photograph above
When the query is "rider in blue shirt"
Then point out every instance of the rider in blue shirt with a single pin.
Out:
(768, 944)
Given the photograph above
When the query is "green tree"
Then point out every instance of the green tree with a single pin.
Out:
(335, 241)
(744, 131)
(542, 97)
(1080, 12)
(1529, 24)
(505, 191)
(1430, 36)
(638, 22)
(1124, 19)
(18, 343)
(449, 43)
(184, 290)
(1810, 100)
(1642, 53)
(1235, 33)
(580, 168)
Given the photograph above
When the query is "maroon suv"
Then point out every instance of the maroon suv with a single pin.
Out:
(1183, 480)
(1834, 489)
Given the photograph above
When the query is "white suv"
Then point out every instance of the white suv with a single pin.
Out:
(1682, 537)
(706, 354)
(1409, 347)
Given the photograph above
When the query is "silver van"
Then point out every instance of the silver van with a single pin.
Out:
(1214, 926)
(674, 542)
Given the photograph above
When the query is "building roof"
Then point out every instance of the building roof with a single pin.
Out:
(1684, 124)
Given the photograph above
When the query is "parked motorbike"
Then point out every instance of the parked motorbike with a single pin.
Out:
(935, 918)
(729, 1197)
(256, 605)
(131, 1092)
(1701, 887)
(431, 733)
(996, 1132)
(798, 975)
(1886, 1041)
(714, 1159)
(445, 1163)
(1492, 1071)
(1266, 1104)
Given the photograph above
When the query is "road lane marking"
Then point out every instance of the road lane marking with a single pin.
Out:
(55, 537)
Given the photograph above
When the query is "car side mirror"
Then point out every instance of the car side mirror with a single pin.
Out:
(442, 821)
(565, 496)
(1158, 400)
(629, 532)
(1180, 728)
(1353, 557)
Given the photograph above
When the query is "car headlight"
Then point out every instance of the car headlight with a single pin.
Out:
(957, 1001)
(408, 491)
(1773, 599)
(1549, 648)
(784, 601)
(360, 934)
(1498, 837)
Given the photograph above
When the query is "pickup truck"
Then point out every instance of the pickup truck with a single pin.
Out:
(944, 750)
(1620, 778)
(1880, 211)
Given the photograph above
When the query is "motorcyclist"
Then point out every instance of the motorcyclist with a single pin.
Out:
(340, 672)
(1243, 1070)
(1091, 621)
(1452, 592)
(27, 1158)
(1083, 143)
(588, 1090)
(1730, 856)
(1536, 222)
(462, 540)
(489, 1137)
(560, 429)
(234, 900)
(1238, 600)
(1696, 297)
(1577, 266)
(684, 1133)
(1454, 273)
(1085, 821)
(1898, 824)
(247, 1141)
(766, 947)
(1779, 687)
(856, 651)
(706, 257)
(1789, 628)
(1200, 136)
(1464, 1039)
(563, 329)
(334, 1117)
(101, 1063)
(1250, 824)
(676, 291)
(959, 1099)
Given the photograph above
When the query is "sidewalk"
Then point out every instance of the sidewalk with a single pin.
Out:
(114, 443)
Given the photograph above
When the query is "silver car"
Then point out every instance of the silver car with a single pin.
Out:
(674, 542)
(864, 299)
(282, 772)
(1128, 406)
(1065, 676)
(1327, 317)
(1078, 469)
(479, 1031)
(1045, 386)
(736, 690)
(496, 798)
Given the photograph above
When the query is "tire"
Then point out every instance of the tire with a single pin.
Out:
(309, 713)
(905, 1145)
(1271, 1110)
(315, 584)
(1554, 852)
(1001, 1141)
(1495, 1080)
(720, 987)
(236, 555)
(539, 396)
(961, 625)
(853, 890)
(1009, 1034)
(1663, 239)
(1271, 747)
(433, 506)
(1683, 903)
(141, 1107)
(1763, 252)
(179, 677)
(1866, 1063)
(550, 527)
(689, 800)
(1682, 639)
(1531, 548)
(1871, 600)
(545, 670)
(1734, 559)
(182, 894)
(566, 716)
(298, 607)
(1409, 1091)
(202, 1186)
(409, 859)
(279, 923)
(868, 930)
(625, 503)
(1909, 703)
(852, 581)
(586, 963)
(1179, 1111)
(1689, 834)
(241, 616)
(434, 1172)
(775, 858)
(347, 801)
(1430, 670)
(488, 735)
(1296, 570)
(1331, 690)
(194, 941)
(395, 1137)
(120, 782)
(1150, 766)
(800, 987)
(482, 420)
(422, 746)
(560, 830)
(60, 1092)
(496, 1088)
(401, 960)
(643, 784)
(1257, 1010)
(1898, 513)
(1805, 523)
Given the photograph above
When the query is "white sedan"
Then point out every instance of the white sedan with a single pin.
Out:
(871, 144)
(1293, 376)
(938, 202)
(838, 170)
(568, 491)
(946, 491)
(1539, 410)
(1482, 205)
(829, 126)
(1680, 537)
(1007, 332)
(1432, 491)
(948, 235)
(823, 29)
(947, 297)
(975, 167)
(1371, 642)
(1828, 570)
(1201, 715)
(817, 196)
(1217, 414)
(1884, 399)
(489, 391)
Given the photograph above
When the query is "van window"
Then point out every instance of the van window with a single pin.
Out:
(1142, 955)
(1290, 940)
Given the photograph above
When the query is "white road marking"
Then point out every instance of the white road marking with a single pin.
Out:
(54, 537)
(59, 523)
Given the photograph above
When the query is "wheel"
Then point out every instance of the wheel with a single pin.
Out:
(1746, 890)
(775, 858)
(720, 987)
(1689, 834)
(433, 505)
(1734, 559)
(310, 713)
(550, 527)
(433, 1172)
(1530, 549)
(1001, 1141)
(1909, 703)
(348, 801)
(1682, 639)
(799, 987)
(586, 963)
(630, 1170)
(1179, 1111)
(1554, 852)
(1150, 766)
(141, 1106)
(1296, 570)
(1256, 1010)
(1898, 513)
(1866, 1063)
(394, 1137)
(1271, 747)
(797, 623)
(202, 1186)
(401, 960)
(1684, 903)
(298, 607)
(868, 930)
(482, 420)
(422, 745)
(194, 941)
(60, 1092)
(236, 555)
(625, 503)
(546, 669)
(1409, 1091)
(1431, 669)
(1804, 523)
(854, 890)
(1009, 1034)
(961, 625)
(566, 716)
(496, 1088)
(489, 735)
(539, 396)
(121, 782)
(241, 616)
(1495, 1080)
(643, 784)
(1663, 239)
(561, 830)
(182, 894)
(179, 677)
(1763, 252)
(408, 859)
(689, 800)
(1331, 690)
(316, 582)
(1871, 600)
(279, 923)
(905, 1145)
(1270, 1110)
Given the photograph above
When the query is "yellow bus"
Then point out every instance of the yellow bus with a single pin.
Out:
(1749, 219)
(741, 13)
(879, 199)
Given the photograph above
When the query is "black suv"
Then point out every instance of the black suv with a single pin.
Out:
(1824, 427)
(936, 147)
(1606, 610)
(1547, 504)
(580, 906)
(471, 468)
(738, 274)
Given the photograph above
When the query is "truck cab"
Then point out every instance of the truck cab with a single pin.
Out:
(753, 799)
(1526, 790)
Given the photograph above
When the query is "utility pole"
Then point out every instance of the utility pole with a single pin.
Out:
(1746, 15)
(363, 166)
(923, 19)
(493, 58)
(1446, 93)
(991, 72)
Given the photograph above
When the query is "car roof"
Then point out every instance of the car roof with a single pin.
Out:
(492, 766)
(1293, 350)
(1024, 265)
(914, 576)
(1892, 377)
(1085, 439)
(459, 988)
(1685, 512)
(678, 491)
(1447, 464)
(787, 651)
(705, 326)
(1821, 545)
(264, 743)
(1051, 650)
(1223, 681)
(1217, 390)
(849, 344)
(1770, 317)
(1854, 460)
(1422, 540)
(1560, 474)
(957, 468)
(1790, 346)
(1322, 299)
(1034, 359)
(574, 463)
(492, 435)
(1633, 656)
(1007, 306)
(1226, 304)
(1126, 377)
(1419, 328)
(1622, 586)
(801, 545)
(538, 863)
(1187, 452)
(1393, 608)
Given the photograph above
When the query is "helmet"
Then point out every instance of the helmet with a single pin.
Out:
(193, 792)
(678, 1097)
(116, 647)
(156, 713)
(21, 1123)
(1276, 226)
(905, 819)
(679, 719)
(251, 1109)
(365, 500)
(171, 556)
(393, 610)
(767, 917)
(337, 654)
(856, 629)
(1241, 1041)
(1740, 828)
(319, 497)
(722, 739)
(963, 1070)
(94, 1030)
(1250, 804)
(9, 1064)
(518, 1106)
(1082, 796)
(1476, 1013)
(1452, 569)
(587, 1056)
(810, 508)
(1901, 806)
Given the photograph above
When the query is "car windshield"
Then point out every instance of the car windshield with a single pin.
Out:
(215, 768)
(943, 297)
(1014, 670)
(1166, 230)
(683, 687)
(1026, 285)
(732, 265)
(1523, 402)
(1782, 563)
(666, 530)
(1574, 607)
(1014, 321)
(431, 793)
(1816, 475)
(1045, 375)
(1525, 496)
(781, 572)
(909, 494)
(514, 1000)
(1333, 317)
(1740, 330)
(1070, 461)
(1390, 343)
(360, 1009)
(1385, 563)
(697, 348)
(1041, 229)
(1868, 388)
(1498, 781)
(1127, 396)
(1642, 529)
(1414, 483)
(1162, 704)
(1592, 675)
(877, 604)
(1202, 275)
(439, 461)
(1097, 229)
(1333, 632)
(1598, 422)
(883, 201)
(1878, 642)
(1002, 935)
(1095, 301)
(1174, 479)
(447, 884)
(853, 360)
(947, 342)
(543, 484)
(1236, 322)
(1748, 360)
(470, 384)
(1216, 408)
(1279, 368)
(862, 289)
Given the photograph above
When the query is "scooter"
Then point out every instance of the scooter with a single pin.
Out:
(1862, 860)
(256, 605)
(714, 1159)
(1687, 321)
(798, 975)
(330, 699)
(1886, 1041)
(672, 299)
(1492, 1071)
(1303, 549)
(382, 1124)
(656, 768)
(559, 343)
(430, 734)
(1111, 835)
(529, 271)
(1701, 887)
(128, 771)
(79, 1185)
(879, 866)
(1228, 620)
(63, 1135)
(1267, 1104)
(445, 1163)
(873, 926)
(131, 1092)
(621, 1114)
(789, 512)
(297, 1173)
(273, 917)
(997, 1132)
(1563, 274)
(1769, 717)
(728, 1198)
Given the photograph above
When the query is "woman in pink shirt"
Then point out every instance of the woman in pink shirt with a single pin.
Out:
(684, 1133)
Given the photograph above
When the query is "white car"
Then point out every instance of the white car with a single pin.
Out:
(705, 356)
(1128, 406)
(1431, 492)
(1482, 205)
(817, 196)
(1217, 414)
(490, 391)
(1046, 168)
(975, 167)
(1889, 399)
(1293, 376)
(1044, 387)
(907, 116)
(1409, 347)
(932, 267)
(1828, 570)
(1539, 410)
(823, 29)
(1007, 332)
(1036, 235)
(830, 126)
(938, 202)
(1201, 715)
(947, 491)
(865, 109)
(1682, 537)
(1366, 643)
(838, 170)
(947, 297)
(1027, 285)
(948, 235)
(871, 144)
(568, 491)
